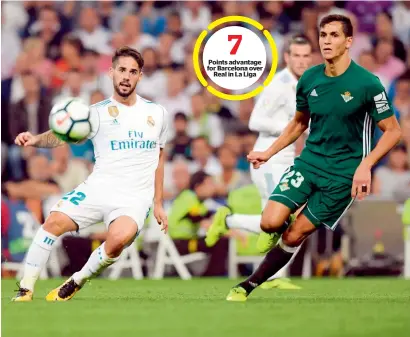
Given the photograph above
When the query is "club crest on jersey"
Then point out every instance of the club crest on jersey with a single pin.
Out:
(347, 96)
(150, 121)
(284, 186)
(113, 111)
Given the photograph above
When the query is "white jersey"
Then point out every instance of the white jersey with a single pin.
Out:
(126, 143)
(273, 111)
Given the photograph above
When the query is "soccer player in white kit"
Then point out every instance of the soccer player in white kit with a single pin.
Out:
(128, 135)
(272, 113)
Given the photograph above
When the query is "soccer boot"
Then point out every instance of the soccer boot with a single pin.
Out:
(266, 241)
(218, 227)
(23, 295)
(279, 283)
(64, 292)
(237, 294)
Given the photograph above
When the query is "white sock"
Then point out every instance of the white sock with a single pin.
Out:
(284, 272)
(250, 223)
(37, 257)
(95, 265)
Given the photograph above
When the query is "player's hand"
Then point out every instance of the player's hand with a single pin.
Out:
(26, 139)
(257, 158)
(161, 216)
(362, 182)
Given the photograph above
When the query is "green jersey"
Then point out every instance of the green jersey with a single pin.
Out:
(343, 113)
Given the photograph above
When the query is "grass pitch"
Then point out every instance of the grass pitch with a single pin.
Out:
(168, 308)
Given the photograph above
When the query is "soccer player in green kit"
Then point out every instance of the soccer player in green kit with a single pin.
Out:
(343, 102)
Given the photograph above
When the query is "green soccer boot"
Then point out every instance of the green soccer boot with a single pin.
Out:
(237, 294)
(218, 227)
(279, 283)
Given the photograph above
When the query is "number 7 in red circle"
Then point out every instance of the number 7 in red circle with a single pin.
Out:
(238, 39)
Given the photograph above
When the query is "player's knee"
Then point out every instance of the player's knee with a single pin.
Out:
(116, 243)
(298, 232)
(58, 223)
(121, 233)
(269, 225)
(292, 238)
(273, 217)
(114, 249)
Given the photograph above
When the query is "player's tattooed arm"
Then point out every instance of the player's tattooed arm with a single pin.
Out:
(45, 140)
(48, 140)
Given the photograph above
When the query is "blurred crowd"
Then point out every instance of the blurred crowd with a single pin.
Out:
(53, 49)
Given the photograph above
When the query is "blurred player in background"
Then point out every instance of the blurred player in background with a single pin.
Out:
(128, 135)
(342, 101)
(272, 113)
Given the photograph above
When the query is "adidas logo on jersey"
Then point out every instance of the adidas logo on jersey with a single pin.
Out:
(314, 93)
(115, 122)
(347, 96)
(382, 104)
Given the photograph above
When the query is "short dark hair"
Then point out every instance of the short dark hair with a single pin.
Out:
(387, 14)
(75, 42)
(344, 20)
(298, 39)
(180, 115)
(197, 179)
(175, 14)
(128, 52)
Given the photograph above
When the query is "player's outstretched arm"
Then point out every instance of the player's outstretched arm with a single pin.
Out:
(295, 128)
(45, 140)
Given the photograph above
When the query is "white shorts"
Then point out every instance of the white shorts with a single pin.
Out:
(89, 204)
(266, 178)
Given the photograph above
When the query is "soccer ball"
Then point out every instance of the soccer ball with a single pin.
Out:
(70, 120)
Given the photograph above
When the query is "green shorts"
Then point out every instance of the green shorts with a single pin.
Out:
(326, 200)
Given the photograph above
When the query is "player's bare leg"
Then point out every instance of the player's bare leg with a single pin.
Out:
(279, 280)
(37, 256)
(275, 219)
(276, 259)
(121, 233)
(223, 221)
(270, 231)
